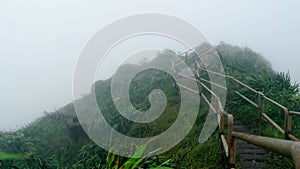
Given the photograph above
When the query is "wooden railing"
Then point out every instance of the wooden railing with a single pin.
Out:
(261, 108)
(284, 147)
(229, 143)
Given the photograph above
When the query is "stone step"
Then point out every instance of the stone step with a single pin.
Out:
(246, 146)
(240, 127)
(252, 151)
(254, 157)
(238, 122)
(252, 165)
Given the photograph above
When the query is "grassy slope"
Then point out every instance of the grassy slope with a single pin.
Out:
(47, 139)
(254, 70)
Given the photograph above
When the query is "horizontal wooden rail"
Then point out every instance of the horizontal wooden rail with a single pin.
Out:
(207, 88)
(212, 83)
(212, 72)
(243, 84)
(287, 118)
(214, 109)
(218, 105)
(203, 96)
(209, 104)
(187, 88)
(292, 137)
(275, 103)
(185, 76)
(245, 98)
(273, 123)
(294, 113)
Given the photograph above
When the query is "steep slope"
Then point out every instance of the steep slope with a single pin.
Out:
(47, 138)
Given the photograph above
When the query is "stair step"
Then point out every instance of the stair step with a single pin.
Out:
(255, 157)
(247, 146)
(238, 122)
(242, 142)
(251, 151)
(256, 165)
(240, 128)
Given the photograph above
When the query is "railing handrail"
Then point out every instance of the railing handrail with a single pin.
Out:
(293, 152)
(228, 145)
(275, 103)
(200, 83)
(287, 126)
(292, 149)
(295, 113)
(245, 98)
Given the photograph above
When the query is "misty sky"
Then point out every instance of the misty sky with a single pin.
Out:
(41, 40)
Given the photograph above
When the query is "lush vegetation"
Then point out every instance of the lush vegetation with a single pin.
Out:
(278, 86)
(45, 142)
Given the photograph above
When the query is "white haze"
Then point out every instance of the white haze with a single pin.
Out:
(41, 40)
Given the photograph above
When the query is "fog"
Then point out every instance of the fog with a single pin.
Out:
(40, 42)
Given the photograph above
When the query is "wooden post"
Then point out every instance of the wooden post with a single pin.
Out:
(259, 99)
(261, 108)
(261, 103)
(222, 123)
(287, 124)
(231, 143)
(296, 154)
(290, 123)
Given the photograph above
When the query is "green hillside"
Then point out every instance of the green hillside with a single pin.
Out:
(45, 142)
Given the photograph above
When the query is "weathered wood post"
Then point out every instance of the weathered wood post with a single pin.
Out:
(231, 143)
(287, 124)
